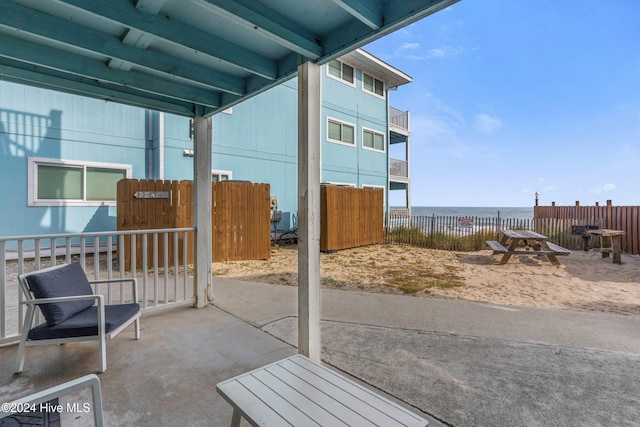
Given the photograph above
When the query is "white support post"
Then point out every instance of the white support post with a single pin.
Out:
(202, 209)
(309, 210)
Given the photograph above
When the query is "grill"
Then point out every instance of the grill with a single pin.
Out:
(581, 230)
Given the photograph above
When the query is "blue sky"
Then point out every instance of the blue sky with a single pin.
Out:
(514, 97)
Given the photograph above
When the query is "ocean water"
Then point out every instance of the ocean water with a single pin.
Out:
(480, 212)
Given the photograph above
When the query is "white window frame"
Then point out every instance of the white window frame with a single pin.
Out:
(384, 86)
(340, 79)
(220, 172)
(384, 140)
(32, 181)
(342, 122)
(382, 187)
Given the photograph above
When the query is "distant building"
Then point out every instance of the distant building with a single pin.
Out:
(62, 154)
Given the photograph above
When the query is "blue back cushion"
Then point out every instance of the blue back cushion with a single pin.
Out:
(66, 281)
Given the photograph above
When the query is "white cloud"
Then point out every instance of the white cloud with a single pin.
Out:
(486, 123)
(435, 53)
(445, 51)
(409, 46)
(604, 188)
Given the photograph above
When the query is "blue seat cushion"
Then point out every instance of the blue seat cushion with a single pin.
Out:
(85, 323)
(66, 281)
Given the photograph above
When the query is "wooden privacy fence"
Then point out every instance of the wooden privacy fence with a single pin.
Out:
(350, 217)
(240, 217)
(241, 221)
(155, 204)
(557, 221)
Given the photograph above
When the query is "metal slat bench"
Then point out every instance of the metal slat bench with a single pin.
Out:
(297, 391)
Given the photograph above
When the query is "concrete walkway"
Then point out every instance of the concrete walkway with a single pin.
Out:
(464, 363)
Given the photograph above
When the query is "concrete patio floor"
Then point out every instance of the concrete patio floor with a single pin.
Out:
(167, 378)
(458, 363)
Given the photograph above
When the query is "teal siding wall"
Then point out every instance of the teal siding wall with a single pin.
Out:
(42, 123)
(353, 164)
(258, 143)
(176, 140)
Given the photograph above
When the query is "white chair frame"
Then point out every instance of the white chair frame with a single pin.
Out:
(40, 397)
(32, 304)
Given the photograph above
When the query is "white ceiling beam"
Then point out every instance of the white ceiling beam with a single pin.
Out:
(152, 7)
(24, 51)
(34, 75)
(256, 17)
(70, 34)
(365, 11)
(180, 34)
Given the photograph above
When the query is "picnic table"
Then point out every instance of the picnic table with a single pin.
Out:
(526, 242)
(610, 242)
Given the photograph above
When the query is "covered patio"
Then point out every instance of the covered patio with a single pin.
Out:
(193, 59)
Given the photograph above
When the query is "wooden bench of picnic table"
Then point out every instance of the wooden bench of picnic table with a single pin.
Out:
(558, 250)
(497, 247)
(535, 244)
(555, 249)
(297, 391)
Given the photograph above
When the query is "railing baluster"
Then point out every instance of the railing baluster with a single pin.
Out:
(20, 272)
(96, 257)
(83, 253)
(36, 263)
(67, 250)
(165, 260)
(144, 268)
(3, 287)
(184, 263)
(134, 255)
(52, 252)
(121, 265)
(176, 266)
(155, 269)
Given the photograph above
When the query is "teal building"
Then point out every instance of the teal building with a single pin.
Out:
(61, 154)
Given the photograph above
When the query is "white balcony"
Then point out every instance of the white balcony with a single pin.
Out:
(398, 170)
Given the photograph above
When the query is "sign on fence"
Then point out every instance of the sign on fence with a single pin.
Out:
(465, 222)
(151, 194)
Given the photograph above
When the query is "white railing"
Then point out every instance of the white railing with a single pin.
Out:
(398, 168)
(399, 118)
(162, 281)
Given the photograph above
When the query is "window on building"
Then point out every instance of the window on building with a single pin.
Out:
(55, 182)
(221, 175)
(372, 140)
(342, 184)
(340, 132)
(341, 71)
(373, 85)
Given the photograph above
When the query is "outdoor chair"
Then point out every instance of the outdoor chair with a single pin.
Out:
(72, 311)
(36, 409)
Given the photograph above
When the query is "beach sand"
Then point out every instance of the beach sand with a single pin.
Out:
(584, 280)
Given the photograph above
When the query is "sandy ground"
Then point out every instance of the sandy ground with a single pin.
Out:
(583, 281)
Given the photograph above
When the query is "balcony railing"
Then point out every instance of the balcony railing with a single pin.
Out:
(399, 118)
(162, 280)
(398, 169)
